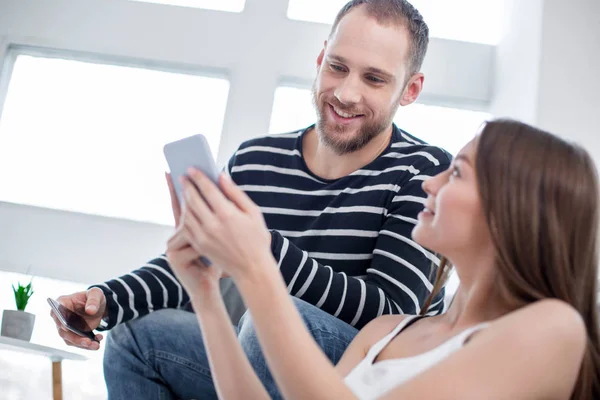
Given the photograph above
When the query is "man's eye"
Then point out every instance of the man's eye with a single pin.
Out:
(336, 68)
(455, 172)
(375, 79)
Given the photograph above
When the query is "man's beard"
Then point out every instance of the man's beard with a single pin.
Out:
(332, 135)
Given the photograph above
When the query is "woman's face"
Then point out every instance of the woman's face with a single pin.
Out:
(452, 222)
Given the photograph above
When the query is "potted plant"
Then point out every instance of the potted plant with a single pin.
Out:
(17, 323)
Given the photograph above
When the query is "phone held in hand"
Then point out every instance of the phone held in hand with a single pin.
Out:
(192, 151)
(72, 321)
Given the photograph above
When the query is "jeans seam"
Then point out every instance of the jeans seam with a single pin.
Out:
(313, 330)
(133, 338)
(166, 356)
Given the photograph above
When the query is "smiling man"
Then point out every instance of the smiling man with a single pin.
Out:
(340, 198)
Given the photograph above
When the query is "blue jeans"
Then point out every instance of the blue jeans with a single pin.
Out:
(162, 356)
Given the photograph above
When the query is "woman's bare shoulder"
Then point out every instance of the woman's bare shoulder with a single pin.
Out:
(552, 325)
(554, 318)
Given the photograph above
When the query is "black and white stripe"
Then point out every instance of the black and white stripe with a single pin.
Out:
(343, 245)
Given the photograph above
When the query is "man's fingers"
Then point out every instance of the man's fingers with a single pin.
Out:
(55, 318)
(69, 337)
(95, 299)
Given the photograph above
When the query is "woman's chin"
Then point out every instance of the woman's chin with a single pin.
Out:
(418, 235)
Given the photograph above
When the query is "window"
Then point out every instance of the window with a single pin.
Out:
(88, 137)
(292, 110)
(450, 128)
(219, 5)
(27, 376)
(465, 20)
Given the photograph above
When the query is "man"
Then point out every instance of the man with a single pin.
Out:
(340, 199)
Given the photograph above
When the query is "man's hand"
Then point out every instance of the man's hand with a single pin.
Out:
(91, 305)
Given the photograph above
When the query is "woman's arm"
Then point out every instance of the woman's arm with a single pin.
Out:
(531, 353)
(232, 374)
(300, 368)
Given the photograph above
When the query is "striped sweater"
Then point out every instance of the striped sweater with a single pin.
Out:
(343, 245)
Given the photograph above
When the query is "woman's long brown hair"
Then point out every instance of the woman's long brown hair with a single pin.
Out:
(539, 195)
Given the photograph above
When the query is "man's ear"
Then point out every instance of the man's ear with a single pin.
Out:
(321, 55)
(412, 89)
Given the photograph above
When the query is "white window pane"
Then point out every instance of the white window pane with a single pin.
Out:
(88, 137)
(292, 110)
(219, 5)
(323, 11)
(26, 376)
(466, 20)
(450, 128)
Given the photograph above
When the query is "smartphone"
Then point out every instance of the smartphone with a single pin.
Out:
(72, 321)
(192, 151)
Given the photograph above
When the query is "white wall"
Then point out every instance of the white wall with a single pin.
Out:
(517, 62)
(547, 68)
(257, 50)
(569, 95)
(75, 247)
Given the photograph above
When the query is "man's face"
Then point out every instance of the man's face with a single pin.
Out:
(360, 81)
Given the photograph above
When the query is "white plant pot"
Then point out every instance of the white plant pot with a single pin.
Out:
(17, 324)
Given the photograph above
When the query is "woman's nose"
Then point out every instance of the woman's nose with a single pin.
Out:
(432, 184)
(426, 185)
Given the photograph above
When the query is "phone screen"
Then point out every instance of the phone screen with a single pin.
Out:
(73, 321)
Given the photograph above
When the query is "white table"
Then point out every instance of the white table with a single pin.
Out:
(55, 355)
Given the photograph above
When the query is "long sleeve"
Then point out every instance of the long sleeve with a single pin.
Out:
(149, 288)
(398, 280)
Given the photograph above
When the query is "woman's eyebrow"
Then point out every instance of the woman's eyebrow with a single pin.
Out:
(463, 158)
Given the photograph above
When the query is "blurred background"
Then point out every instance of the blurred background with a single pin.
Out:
(91, 90)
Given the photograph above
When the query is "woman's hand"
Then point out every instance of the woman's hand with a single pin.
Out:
(175, 207)
(226, 227)
(200, 281)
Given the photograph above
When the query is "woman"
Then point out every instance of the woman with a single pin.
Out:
(517, 217)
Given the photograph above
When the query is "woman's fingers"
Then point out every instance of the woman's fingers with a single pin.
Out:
(236, 195)
(175, 204)
(195, 204)
(178, 241)
(213, 196)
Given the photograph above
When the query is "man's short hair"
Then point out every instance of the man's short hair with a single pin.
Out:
(397, 12)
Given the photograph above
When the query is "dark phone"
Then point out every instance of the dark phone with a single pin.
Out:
(73, 322)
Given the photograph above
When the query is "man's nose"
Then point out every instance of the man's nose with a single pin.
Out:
(348, 92)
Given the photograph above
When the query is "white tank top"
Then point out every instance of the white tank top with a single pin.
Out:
(370, 381)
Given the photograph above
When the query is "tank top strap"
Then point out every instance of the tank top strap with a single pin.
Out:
(380, 345)
(465, 335)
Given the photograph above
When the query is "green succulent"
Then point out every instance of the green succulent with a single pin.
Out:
(22, 295)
